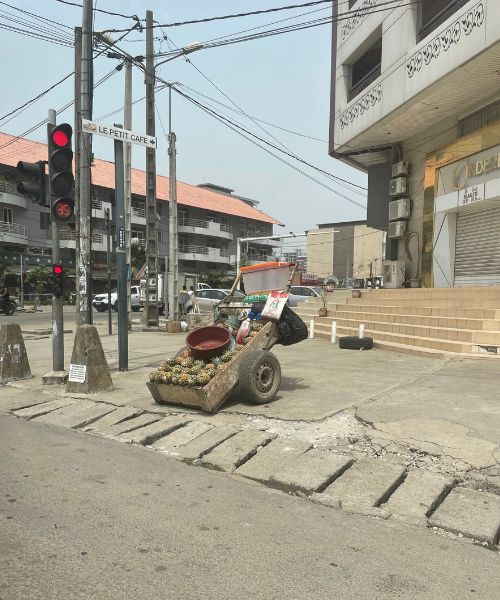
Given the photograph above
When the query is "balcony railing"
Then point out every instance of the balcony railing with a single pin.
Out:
(139, 211)
(191, 249)
(439, 17)
(203, 224)
(12, 229)
(66, 235)
(9, 188)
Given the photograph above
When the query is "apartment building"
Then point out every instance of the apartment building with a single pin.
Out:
(415, 103)
(347, 250)
(210, 219)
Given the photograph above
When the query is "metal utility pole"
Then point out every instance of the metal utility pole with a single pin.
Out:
(150, 315)
(83, 258)
(108, 266)
(22, 280)
(127, 123)
(173, 265)
(57, 302)
(121, 266)
(77, 137)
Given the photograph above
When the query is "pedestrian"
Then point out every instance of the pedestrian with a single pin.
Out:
(183, 300)
(4, 297)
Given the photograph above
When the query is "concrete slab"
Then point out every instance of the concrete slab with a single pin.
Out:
(117, 416)
(129, 425)
(15, 399)
(150, 433)
(14, 363)
(470, 513)
(205, 443)
(182, 436)
(85, 416)
(236, 450)
(311, 472)
(271, 458)
(31, 412)
(369, 482)
(55, 417)
(418, 495)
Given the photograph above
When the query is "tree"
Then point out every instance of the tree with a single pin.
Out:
(39, 278)
(137, 257)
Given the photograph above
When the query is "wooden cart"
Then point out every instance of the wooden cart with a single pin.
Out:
(255, 369)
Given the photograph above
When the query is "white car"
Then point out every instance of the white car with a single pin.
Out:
(100, 301)
(300, 293)
(209, 298)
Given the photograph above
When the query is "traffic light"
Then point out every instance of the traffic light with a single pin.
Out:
(35, 187)
(57, 281)
(61, 171)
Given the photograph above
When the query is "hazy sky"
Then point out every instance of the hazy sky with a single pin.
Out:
(284, 80)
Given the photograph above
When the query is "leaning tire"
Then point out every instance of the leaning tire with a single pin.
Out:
(356, 343)
(115, 307)
(260, 377)
(135, 308)
(11, 309)
(101, 309)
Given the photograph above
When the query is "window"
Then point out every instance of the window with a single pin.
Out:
(8, 216)
(366, 69)
(159, 237)
(202, 293)
(44, 220)
(352, 3)
(432, 13)
(481, 118)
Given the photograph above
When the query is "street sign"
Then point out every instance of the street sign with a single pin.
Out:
(117, 133)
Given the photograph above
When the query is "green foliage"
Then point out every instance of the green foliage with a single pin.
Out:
(40, 279)
(138, 257)
(216, 279)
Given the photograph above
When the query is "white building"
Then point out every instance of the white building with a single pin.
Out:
(419, 82)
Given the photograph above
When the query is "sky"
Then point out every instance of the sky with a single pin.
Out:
(283, 80)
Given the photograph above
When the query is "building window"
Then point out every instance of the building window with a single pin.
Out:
(160, 237)
(482, 118)
(8, 216)
(44, 221)
(366, 69)
(432, 13)
(352, 3)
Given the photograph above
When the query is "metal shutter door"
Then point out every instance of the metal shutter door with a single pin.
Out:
(477, 247)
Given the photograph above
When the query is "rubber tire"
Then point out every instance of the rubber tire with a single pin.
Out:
(355, 343)
(101, 309)
(115, 306)
(251, 387)
(135, 308)
(11, 309)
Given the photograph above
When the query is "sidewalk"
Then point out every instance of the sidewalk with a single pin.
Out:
(428, 412)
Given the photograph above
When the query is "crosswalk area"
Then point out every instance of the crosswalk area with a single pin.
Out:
(370, 486)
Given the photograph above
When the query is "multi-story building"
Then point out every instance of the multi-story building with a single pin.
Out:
(346, 250)
(210, 218)
(415, 103)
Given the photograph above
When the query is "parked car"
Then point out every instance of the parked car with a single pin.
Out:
(100, 301)
(203, 286)
(209, 298)
(300, 293)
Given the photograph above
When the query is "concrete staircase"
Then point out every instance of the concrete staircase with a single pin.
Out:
(427, 322)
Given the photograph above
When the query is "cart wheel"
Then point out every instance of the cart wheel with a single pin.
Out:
(260, 376)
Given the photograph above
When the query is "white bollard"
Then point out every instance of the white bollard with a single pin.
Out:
(334, 332)
(311, 329)
(361, 330)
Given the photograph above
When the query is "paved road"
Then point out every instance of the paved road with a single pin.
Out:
(84, 517)
(43, 320)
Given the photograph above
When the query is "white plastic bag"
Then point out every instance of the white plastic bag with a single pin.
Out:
(275, 304)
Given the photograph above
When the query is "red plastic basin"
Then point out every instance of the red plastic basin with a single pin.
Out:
(206, 343)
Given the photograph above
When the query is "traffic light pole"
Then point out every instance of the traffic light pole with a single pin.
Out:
(121, 256)
(57, 303)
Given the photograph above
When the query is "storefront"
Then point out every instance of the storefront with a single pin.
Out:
(466, 232)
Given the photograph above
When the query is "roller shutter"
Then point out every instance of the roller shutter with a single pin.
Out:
(477, 247)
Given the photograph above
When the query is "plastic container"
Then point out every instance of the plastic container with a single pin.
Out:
(206, 343)
(265, 277)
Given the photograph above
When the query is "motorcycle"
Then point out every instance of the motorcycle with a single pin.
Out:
(9, 308)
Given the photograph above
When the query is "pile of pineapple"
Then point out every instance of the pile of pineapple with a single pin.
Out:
(185, 370)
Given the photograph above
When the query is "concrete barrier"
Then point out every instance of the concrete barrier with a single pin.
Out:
(14, 363)
(89, 371)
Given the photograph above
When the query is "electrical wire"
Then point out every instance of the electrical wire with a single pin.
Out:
(101, 10)
(26, 12)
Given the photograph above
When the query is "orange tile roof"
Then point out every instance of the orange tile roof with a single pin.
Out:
(103, 174)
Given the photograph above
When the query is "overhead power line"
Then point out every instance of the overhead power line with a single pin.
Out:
(101, 10)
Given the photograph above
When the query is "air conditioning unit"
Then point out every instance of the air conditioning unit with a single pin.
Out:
(397, 229)
(400, 168)
(399, 209)
(398, 186)
(393, 273)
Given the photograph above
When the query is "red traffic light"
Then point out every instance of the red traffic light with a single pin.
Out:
(59, 138)
(57, 270)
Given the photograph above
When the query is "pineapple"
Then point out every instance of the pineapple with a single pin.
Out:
(217, 361)
(228, 356)
(202, 379)
(177, 370)
(166, 377)
(175, 379)
(171, 361)
(195, 370)
(165, 367)
(191, 381)
(187, 363)
(152, 376)
(184, 379)
(210, 367)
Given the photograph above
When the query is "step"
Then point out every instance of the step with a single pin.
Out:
(417, 320)
(472, 291)
(470, 336)
(420, 342)
(437, 302)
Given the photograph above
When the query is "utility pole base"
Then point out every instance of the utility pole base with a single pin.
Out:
(55, 378)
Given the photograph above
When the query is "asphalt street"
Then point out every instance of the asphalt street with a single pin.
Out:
(43, 320)
(82, 517)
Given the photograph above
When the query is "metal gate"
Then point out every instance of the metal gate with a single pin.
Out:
(477, 247)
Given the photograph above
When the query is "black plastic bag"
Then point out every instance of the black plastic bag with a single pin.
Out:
(291, 327)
